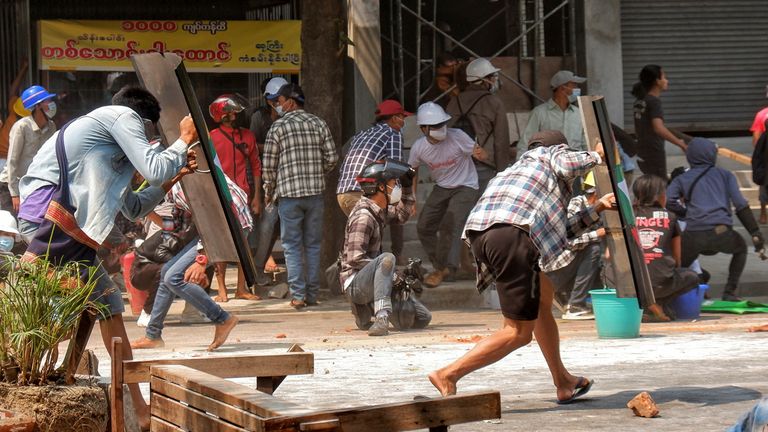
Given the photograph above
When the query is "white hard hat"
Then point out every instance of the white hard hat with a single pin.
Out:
(480, 68)
(273, 86)
(430, 113)
(8, 222)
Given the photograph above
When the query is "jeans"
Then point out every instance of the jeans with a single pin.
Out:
(373, 283)
(268, 228)
(444, 252)
(722, 239)
(754, 420)
(301, 231)
(172, 284)
(580, 276)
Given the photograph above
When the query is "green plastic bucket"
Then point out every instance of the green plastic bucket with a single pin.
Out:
(616, 318)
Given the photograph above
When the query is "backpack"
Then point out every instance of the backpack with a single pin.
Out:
(759, 163)
(463, 122)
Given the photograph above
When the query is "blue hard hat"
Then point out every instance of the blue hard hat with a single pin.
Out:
(34, 95)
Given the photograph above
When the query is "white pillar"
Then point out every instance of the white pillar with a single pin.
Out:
(602, 41)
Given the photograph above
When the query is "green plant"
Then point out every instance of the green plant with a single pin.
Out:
(40, 306)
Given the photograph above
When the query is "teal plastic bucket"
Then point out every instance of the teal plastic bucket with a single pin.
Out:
(616, 318)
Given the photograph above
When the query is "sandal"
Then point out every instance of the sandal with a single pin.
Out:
(581, 389)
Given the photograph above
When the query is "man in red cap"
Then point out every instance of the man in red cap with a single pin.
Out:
(382, 140)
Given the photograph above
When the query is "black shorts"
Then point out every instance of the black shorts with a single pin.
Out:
(512, 257)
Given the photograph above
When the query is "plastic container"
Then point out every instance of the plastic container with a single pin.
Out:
(135, 297)
(616, 318)
(688, 305)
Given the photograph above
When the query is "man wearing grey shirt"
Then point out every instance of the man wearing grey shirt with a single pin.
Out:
(26, 137)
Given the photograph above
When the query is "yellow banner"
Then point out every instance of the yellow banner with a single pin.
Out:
(206, 46)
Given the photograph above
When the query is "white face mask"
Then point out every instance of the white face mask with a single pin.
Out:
(279, 110)
(396, 194)
(6, 243)
(439, 134)
(493, 85)
(575, 93)
(49, 110)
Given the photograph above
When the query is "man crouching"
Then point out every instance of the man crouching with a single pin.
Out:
(367, 274)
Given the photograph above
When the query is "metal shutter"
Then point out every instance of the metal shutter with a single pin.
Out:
(715, 54)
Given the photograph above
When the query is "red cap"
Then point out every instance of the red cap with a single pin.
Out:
(391, 107)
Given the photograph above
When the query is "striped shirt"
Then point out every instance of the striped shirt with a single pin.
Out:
(576, 206)
(533, 194)
(298, 152)
(239, 202)
(375, 143)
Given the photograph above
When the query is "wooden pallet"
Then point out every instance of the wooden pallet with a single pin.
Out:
(185, 399)
(269, 369)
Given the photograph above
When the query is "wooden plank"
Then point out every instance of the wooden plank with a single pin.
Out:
(116, 406)
(420, 414)
(160, 425)
(721, 151)
(204, 403)
(188, 418)
(301, 363)
(261, 404)
(632, 278)
(321, 425)
(77, 345)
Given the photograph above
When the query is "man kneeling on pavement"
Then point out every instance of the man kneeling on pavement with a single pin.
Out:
(367, 274)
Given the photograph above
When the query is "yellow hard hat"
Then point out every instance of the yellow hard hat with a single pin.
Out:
(589, 180)
(19, 109)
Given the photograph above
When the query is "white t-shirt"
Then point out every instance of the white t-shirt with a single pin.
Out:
(449, 161)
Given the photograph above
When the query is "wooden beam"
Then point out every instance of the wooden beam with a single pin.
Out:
(188, 418)
(402, 416)
(269, 384)
(116, 406)
(239, 396)
(160, 425)
(260, 365)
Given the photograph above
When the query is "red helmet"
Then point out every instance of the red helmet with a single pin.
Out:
(225, 104)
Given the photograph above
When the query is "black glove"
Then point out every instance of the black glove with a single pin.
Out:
(406, 180)
(748, 220)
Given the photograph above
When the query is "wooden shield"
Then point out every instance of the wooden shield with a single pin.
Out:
(632, 278)
(165, 77)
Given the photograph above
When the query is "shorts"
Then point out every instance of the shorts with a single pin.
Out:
(105, 292)
(513, 259)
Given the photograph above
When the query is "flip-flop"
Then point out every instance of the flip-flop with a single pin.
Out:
(581, 389)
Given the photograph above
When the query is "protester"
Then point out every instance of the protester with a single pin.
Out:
(382, 140)
(649, 121)
(236, 149)
(754, 420)
(559, 112)
(298, 153)
(703, 195)
(367, 274)
(581, 259)
(519, 226)
(660, 238)
(15, 112)
(26, 137)
(485, 117)
(114, 138)
(448, 153)
(185, 276)
(757, 129)
(268, 224)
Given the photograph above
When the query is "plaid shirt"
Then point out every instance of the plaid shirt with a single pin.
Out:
(532, 194)
(362, 239)
(239, 202)
(375, 143)
(576, 206)
(298, 152)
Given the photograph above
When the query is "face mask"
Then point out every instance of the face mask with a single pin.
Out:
(6, 243)
(494, 85)
(279, 110)
(439, 134)
(575, 93)
(396, 194)
(50, 110)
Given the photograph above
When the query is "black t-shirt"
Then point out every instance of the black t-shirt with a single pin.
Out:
(650, 146)
(656, 228)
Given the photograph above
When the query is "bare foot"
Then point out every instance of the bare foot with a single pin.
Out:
(442, 383)
(222, 332)
(246, 296)
(147, 343)
(220, 299)
(271, 266)
(763, 218)
(755, 329)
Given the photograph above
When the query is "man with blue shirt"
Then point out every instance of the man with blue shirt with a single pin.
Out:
(703, 196)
